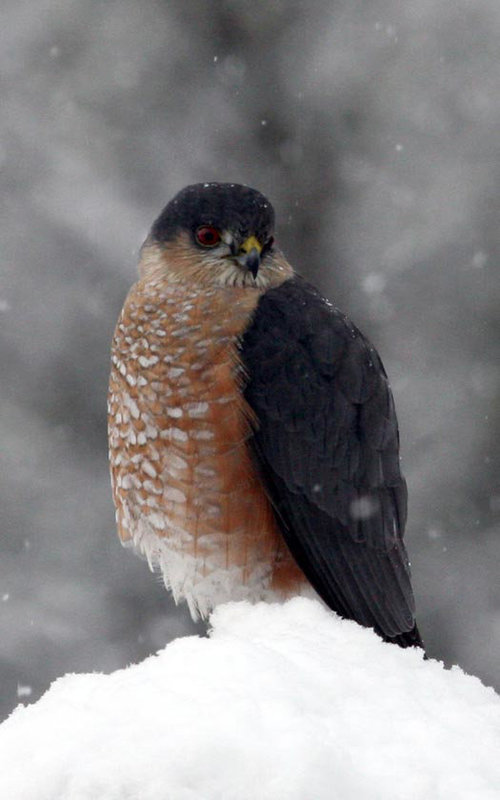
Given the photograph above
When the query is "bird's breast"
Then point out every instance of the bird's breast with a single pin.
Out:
(186, 491)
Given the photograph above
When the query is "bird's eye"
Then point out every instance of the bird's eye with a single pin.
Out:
(207, 236)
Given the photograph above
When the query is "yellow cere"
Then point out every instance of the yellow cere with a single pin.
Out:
(251, 243)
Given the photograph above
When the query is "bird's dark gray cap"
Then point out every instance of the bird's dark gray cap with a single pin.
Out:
(227, 206)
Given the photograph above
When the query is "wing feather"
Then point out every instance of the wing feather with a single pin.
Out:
(325, 441)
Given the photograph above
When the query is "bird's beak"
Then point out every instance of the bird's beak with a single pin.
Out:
(249, 255)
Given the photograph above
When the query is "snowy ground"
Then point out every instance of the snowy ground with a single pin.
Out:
(280, 703)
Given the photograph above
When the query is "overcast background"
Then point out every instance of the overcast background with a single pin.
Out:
(374, 129)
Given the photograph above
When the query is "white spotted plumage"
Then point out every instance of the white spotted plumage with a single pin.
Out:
(185, 490)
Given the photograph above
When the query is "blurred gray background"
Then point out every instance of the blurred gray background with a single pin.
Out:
(373, 128)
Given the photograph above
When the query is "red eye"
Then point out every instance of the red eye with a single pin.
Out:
(207, 236)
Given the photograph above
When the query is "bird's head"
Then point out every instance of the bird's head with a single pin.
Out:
(216, 234)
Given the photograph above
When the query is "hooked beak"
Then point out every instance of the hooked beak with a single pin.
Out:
(249, 255)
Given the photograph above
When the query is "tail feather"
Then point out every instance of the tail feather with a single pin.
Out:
(409, 639)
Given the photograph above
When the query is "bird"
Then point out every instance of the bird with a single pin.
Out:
(253, 438)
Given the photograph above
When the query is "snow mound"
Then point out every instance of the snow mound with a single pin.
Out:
(280, 703)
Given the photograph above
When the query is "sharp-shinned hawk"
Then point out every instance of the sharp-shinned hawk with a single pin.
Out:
(254, 444)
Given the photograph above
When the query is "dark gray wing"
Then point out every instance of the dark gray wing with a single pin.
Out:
(326, 444)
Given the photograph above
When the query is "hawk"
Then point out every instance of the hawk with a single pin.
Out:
(254, 445)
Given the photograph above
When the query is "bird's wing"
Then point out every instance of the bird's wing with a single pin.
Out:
(326, 444)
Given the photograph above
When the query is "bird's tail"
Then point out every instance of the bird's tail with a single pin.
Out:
(409, 639)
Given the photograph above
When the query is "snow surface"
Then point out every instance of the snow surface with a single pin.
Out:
(280, 703)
